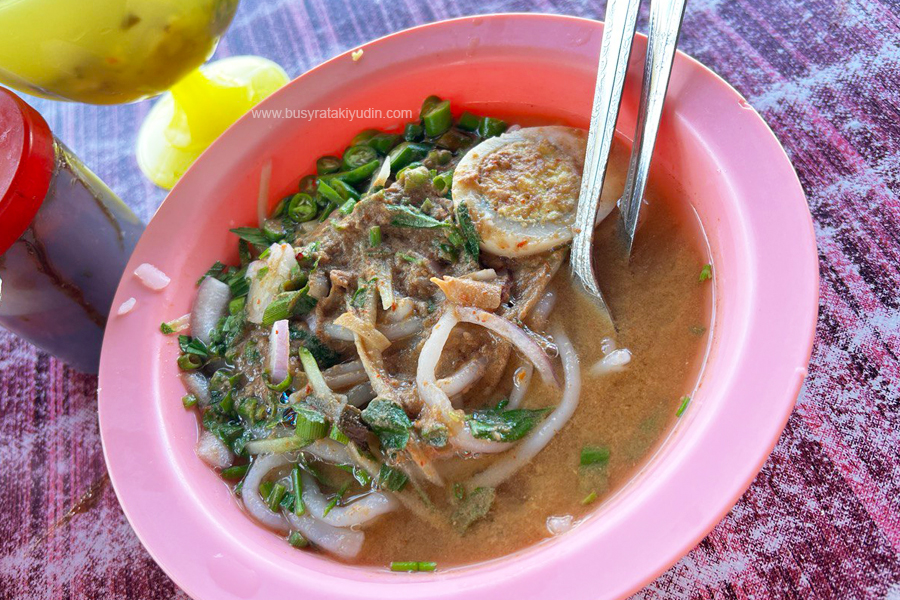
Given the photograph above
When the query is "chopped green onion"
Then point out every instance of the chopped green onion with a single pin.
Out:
(310, 424)
(392, 479)
(265, 488)
(594, 455)
(363, 136)
(297, 540)
(383, 142)
(275, 496)
(189, 362)
(334, 501)
(468, 121)
(329, 193)
(214, 271)
(413, 566)
(236, 305)
(375, 236)
(328, 164)
(472, 241)
(459, 491)
(443, 182)
(252, 235)
(348, 206)
(166, 329)
(589, 498)
(338, 436)
(706, 272)
(281, 386)
(235, 473)
(413, 132)
(406, 153)
(436, 117)
(685, 400)
(489, 127)
(189, 400)
(285, 305)
(297, 485)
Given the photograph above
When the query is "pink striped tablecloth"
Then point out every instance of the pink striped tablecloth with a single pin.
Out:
(822, 519)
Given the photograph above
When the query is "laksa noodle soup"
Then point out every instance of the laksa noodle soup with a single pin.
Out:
(399, 371)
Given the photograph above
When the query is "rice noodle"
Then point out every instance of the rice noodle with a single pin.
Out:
(614, 362)
(210, 305)
(366, 331)
(521, 381)
(254, 503)
(345, 543)
(401, 309)
(535, 441)
(468, 374)
(329, 451)
(279, 351)
(391, 332)
(361, 394)
(345, 375)
(151, 277)
(355, 514)
(514, 335)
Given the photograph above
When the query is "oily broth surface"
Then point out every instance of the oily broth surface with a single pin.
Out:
(658, 304)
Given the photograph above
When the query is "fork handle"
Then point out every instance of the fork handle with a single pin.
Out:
(665, 23)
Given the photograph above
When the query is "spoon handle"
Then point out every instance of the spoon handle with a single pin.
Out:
(665, 23)
(615, 49)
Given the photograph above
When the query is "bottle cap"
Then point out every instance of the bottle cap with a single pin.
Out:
(26, 166)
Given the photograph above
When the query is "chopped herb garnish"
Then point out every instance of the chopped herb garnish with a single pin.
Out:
(392, 479)
(325, 356)
(475, 506)
(338, 436)
(189, 400)
(235, 473)
(471, 239)
(407, 216)
(413, 566)
(389, 422)
(685, 400)
(310, 424)
(166, 329)
(375, 236)
(698, 330)
(252, 235)
(288, 304)
(589, 498)
(297, 487)
(594, 455)
(459, 491)
(706, 272)
(282, 385)
(297, 540)
(409, 258)
(337, 498)
(215, 271)
(358, 299)
(274, 498)
(504, 425)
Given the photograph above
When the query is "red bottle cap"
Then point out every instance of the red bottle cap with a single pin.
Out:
(26, 166)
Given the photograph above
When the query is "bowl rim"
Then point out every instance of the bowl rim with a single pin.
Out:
(472, 581)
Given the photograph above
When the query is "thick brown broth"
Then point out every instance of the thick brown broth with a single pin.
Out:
(662, 312)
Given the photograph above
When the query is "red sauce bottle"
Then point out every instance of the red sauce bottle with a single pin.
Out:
(64, 240)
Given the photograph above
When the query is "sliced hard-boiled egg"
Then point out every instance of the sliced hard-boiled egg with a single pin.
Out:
(521, 189)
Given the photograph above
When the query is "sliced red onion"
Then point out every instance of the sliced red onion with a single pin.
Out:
(151, 277)
(513, 335)
(213, 451)
(279, 351)
(253, 501)
(356, 514)
(197, 384)
(535, 441)
(210, 305)
(345, 543)
(126, 307)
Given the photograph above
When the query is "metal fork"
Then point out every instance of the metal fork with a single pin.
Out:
(615, 50)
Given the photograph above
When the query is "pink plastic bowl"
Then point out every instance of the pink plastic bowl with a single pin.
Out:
(732, 171)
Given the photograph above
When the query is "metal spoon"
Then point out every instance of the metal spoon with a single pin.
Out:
(615, 49)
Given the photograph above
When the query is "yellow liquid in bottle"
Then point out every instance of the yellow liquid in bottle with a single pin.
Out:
(106, 51)
(198, 110)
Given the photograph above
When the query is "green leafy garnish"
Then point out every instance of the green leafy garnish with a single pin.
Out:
(706, 272)
(215, 271)
(325, 356)
(407, 216)
(190, 345)
(501, 425)
(594, 455)
(389, 422)
(471, 239)
(413, 566)
(288, 304)
(685, 400)
(252, 235)
(475, 506)
(392, 479)
(589, 498)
